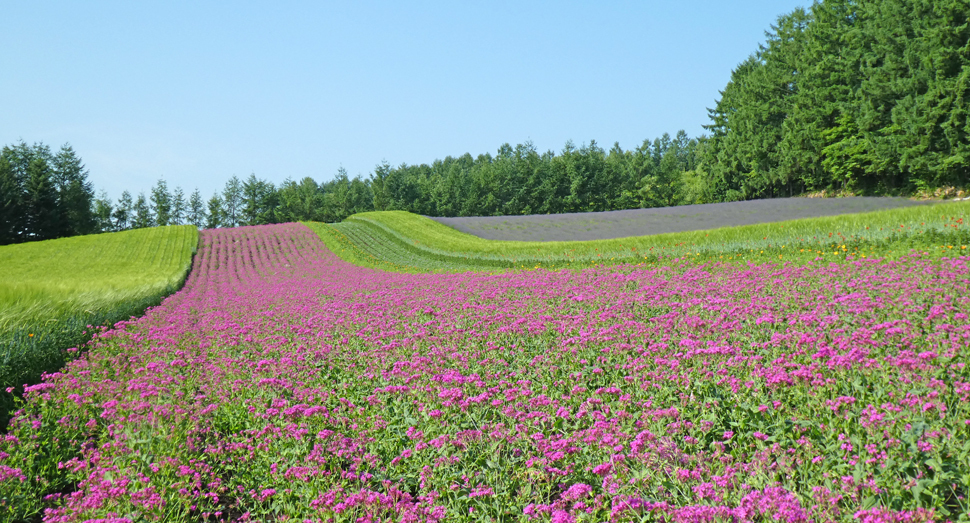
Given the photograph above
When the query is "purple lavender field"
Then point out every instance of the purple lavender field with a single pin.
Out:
(642, 222)
(283, 384)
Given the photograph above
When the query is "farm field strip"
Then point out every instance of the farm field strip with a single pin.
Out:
(89, 271)
(284, 382)
(378, 245)
(51, 291)
(413, 243)
(662, 220)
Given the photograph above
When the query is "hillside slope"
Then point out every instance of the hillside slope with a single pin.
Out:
(608, 225)
(405, 242)
(50, 291)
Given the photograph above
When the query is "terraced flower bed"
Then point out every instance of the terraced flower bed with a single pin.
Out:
(284, 384)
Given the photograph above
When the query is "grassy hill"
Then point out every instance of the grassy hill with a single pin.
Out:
(405, 242)
(50, 292)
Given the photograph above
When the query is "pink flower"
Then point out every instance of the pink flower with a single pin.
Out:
(577, 491)
(561, 516)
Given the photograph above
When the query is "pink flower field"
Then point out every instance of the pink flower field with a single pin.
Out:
(283, 384)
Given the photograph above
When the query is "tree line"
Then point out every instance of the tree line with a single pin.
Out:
(517, 180)
(43, 195)
(861, 96)
(867, 96)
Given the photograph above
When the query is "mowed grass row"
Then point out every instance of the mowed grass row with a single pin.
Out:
(405, 242)
(51, 291)
(368, 245)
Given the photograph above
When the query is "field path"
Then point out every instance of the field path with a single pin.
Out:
(660, 220)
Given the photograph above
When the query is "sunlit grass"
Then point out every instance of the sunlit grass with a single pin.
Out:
(51, 291)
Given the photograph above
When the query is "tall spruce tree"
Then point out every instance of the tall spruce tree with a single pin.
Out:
(123, 214)
(179, 206)
(300, 201)
(161, 204)
(40, 205)
(103, 212)
(259, 202)
(75, 194)
(196, 214)
(216, 215)
(11, 196)
(142, 213)
(231, 203)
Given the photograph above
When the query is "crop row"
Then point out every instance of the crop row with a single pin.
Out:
(408, 243)
(663, 220)
(283, 383)
(384, 246)
(53, 293)
(872, 227)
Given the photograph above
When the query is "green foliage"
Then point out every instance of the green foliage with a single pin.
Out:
(40, 209)
(10, 202)
(53, 292)
(123, 213)
(519, 180)
(214, 218)
(300, 201)
(161, 204)
(868, 95)
(43, 195)
(344, 196)
(75, 193)
(259, 199)
(142, 213)
(196, 213)
(231, 203)
(179, 207)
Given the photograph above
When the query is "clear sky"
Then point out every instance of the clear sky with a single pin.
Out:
(196, 92)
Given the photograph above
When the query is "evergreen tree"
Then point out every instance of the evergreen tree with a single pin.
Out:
(124, 213)
(663, 187)
(196, 214)
(216, 215)
(231, 203)
(378, 183)
(20, 156)
(40, 205)
(179, 207)
(259, 202)
(11, 195)
(300, 201)
(142, 213)
(161, 204)
(75, 194)
(103, 212)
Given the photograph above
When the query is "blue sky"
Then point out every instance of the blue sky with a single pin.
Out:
(197, 92)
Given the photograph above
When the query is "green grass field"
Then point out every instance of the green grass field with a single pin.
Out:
(51, 291)
(405, 242)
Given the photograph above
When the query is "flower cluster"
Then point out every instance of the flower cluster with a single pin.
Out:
(284, 383)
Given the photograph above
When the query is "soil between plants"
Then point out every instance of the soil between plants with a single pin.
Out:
(642, 222)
